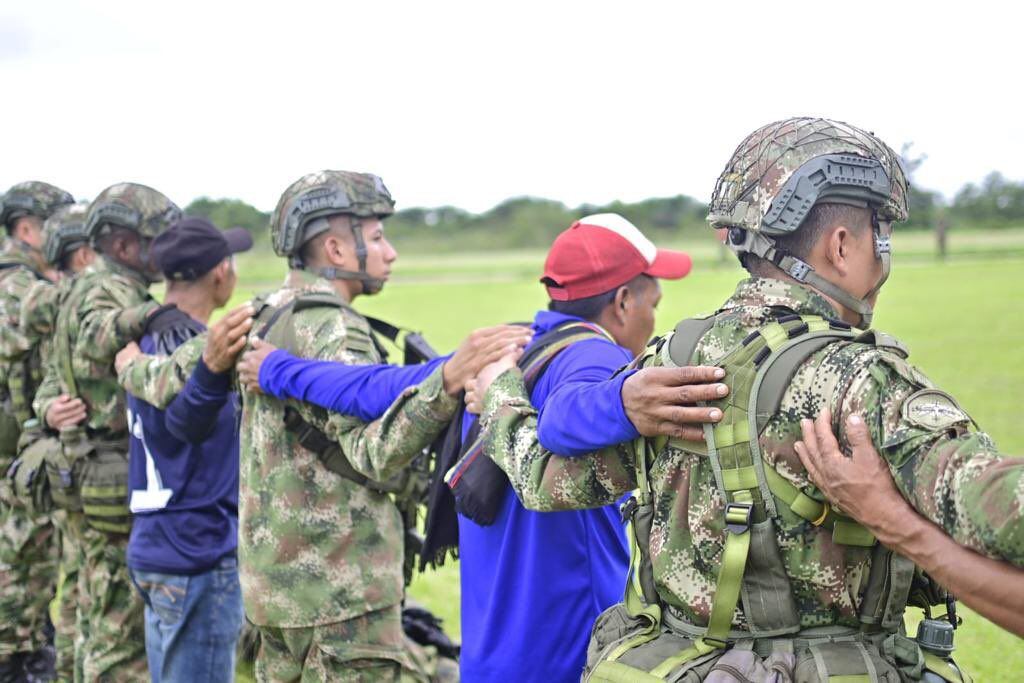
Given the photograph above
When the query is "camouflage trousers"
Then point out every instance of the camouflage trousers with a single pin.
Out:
(69, 626)
(28, 576)
(371, 647)
(110, 612)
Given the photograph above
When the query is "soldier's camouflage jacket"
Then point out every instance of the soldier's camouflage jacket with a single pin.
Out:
(314, 547)
(20, 366)
(106, 307)
(952, 475)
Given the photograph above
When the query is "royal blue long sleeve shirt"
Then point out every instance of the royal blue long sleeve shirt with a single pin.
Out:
(548, 575)
(183, 475)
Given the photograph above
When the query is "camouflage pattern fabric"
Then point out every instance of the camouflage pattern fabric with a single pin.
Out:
(64, 231)
(114, 645)
(32, 198)
(69, 626)
(28, 573)
(949, 473)
(105, 307)
(369, 647)
(137, 207)
(38, 320)
(314, 547)
(28, 543)
(322, 194)
(768, 157)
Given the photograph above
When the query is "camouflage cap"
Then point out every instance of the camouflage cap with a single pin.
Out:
(32, 198)
(133, 206)
(323, 194)
(840, 162)
(63, 230)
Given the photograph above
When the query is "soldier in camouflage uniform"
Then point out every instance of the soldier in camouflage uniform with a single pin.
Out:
(739, 564)
(28, 544)
(107, 306)
(320, 544)
(66, 248)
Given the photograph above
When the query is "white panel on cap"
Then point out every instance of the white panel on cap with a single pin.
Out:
(620, 226)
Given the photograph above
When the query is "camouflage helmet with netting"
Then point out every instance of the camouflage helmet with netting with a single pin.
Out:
(133, 206)
(320, 195)
(63, 231)
(781, 170)
(32, 198)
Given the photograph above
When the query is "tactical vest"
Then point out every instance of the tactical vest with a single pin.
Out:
(408, 487)
(644, 639)
(90, 472)
(19, 380)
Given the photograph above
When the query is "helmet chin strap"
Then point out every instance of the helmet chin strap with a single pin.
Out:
(371, 285)
(763, 246)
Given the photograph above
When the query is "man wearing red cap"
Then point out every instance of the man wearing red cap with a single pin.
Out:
(533, 583)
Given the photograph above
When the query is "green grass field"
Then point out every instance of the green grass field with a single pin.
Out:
(963, 320)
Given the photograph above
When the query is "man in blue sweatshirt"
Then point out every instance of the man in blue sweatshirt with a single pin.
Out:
(183, 471)
(533, 583)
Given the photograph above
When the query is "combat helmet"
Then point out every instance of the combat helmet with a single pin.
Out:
(32, 198)
(132, 206)
(64, 231)
(303, 210)
(782, 170)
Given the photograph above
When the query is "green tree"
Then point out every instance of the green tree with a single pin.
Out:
(230, 213)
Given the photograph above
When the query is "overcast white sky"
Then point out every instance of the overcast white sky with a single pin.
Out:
(471, 103)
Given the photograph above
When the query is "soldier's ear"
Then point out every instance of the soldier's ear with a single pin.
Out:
(837, 247)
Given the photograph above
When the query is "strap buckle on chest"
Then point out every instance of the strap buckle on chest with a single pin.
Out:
(738, 517)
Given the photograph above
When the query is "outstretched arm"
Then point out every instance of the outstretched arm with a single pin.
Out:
(862, 486)
(364, 391)
(950, 473)
(542, 480)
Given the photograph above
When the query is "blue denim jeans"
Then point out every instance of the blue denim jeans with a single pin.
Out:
(192, 623)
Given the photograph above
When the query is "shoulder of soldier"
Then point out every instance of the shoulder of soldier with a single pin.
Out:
(41, 293)
(39, 307)
(17, 280)
(318, 327)
(107, 286)
(869, 357)
(706, 339)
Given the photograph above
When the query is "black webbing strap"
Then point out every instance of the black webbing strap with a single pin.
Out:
(477, 482)
(309, 436)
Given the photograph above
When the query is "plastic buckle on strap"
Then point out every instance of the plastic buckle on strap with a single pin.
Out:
(824, 515)
(627, 509)
(716, 643)
(738, 517)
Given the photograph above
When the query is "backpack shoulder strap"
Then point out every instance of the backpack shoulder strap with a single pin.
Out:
(688, 333)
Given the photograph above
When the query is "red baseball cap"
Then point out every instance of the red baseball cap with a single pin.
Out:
(601, 252)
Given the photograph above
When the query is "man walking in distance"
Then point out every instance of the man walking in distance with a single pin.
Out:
(28, 544)
(107, 307)
(321, 543)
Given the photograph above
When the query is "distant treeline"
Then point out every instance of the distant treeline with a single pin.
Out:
(528, 222)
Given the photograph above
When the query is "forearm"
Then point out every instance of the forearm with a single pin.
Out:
(47, 393)
(381, 448)
(582, 417)
(107, 330)
(364, 391)
(194, 412)
(158, 379)
(972, 491)
(993, 588)
(543, 480)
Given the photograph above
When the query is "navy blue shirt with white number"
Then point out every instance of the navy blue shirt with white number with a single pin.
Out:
(183, 468)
